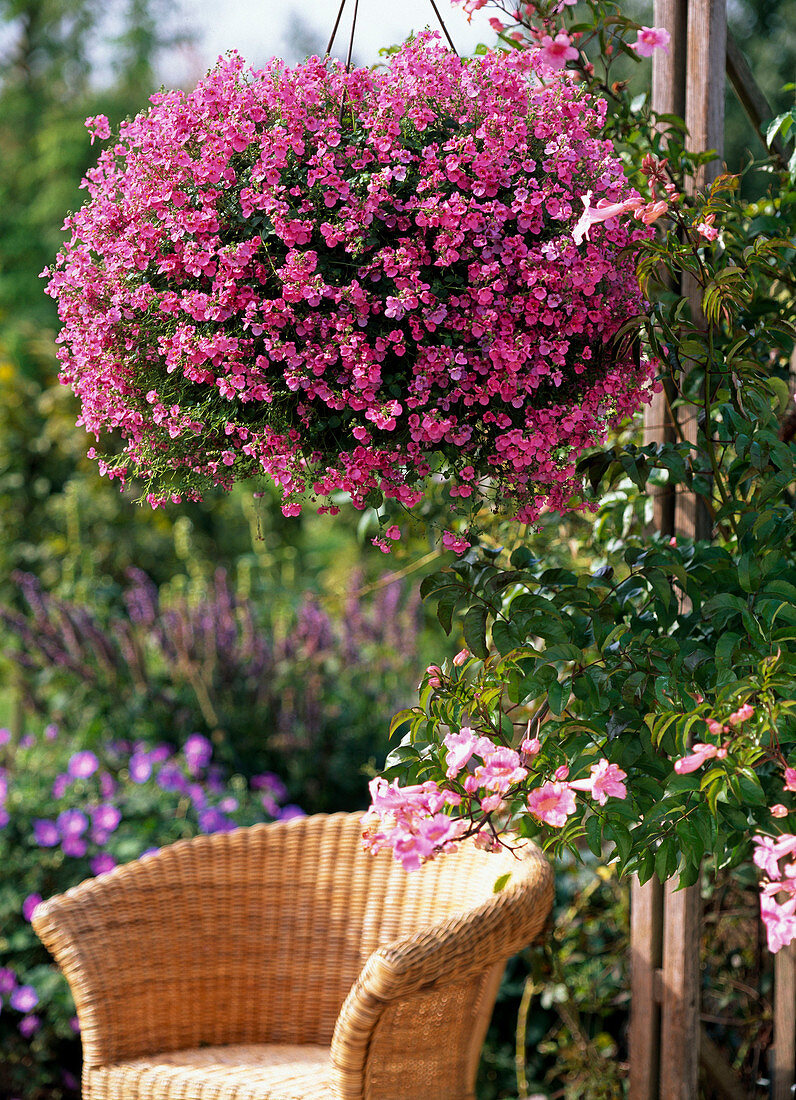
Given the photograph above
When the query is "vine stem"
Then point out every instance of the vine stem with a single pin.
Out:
(528, 990)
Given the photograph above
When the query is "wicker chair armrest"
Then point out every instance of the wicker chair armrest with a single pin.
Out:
(459, 956)
(461, 946)
(71, 926)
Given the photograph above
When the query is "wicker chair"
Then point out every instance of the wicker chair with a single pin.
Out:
(281, 962)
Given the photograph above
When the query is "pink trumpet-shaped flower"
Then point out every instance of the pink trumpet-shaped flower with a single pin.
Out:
(461, 747)
(779, 920)
(695, 759)
(605, 781)
(500, 770)
(651, 39)
(555, 52)
(601, 213)
(552, 803)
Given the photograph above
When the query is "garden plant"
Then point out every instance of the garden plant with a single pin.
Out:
(452, 285)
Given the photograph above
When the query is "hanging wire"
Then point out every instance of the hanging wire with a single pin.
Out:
(444, 28)
(351, 39)
(336, 25)
(354, 22)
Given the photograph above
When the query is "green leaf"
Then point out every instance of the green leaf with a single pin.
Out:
(474, 627)
(558, 696)
(401, 717)
(594, 834)
(666, 859)
(500, 882)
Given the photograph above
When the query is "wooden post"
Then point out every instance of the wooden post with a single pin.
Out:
(668, 98)
(664, 1028)
(646, 961)
(783, 1056)
(679, 1072)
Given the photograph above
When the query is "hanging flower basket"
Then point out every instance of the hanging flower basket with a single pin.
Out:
(347, 280)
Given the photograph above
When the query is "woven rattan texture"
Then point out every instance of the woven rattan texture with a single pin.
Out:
(291, 934)
(255, 1072)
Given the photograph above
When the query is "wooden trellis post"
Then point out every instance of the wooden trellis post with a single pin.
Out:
(665, 1044)
(665, 924)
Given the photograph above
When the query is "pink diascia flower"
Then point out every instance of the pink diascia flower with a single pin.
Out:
(216, 359)
(555, 52)
(605, 781)
(651, 39)
(552, 803)
(99, 127)
(790, 779)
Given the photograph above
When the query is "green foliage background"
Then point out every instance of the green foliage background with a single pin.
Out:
(79, 536)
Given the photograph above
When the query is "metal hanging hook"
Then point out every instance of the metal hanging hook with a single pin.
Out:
(354, 23)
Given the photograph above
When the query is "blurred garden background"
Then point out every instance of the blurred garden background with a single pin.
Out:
(174, 671)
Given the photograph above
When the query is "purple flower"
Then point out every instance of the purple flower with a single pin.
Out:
(171, 778)
(140, 767)
(51, 732)
(71, 823)
(102, 863)
(228, 804)
(107, 785)
(29, 904)
(82, 765)
(5, 817)
(69, 1080)
(196, 793)
(198, 752)
(74, 846)
(45, 833)
(29, 1026)
(212, 820)
(24, 998)
(106, 817)
(160, 753)
(287, 813)
(74, 1023)
(8, 980)
(270, 783)
(28, 741)
(60, 785)
(5, 736)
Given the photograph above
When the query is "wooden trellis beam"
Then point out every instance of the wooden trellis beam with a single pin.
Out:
(750, 96)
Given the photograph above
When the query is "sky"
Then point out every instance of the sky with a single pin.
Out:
(293, 28)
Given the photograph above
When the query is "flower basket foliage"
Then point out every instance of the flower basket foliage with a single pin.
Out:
(349, 280)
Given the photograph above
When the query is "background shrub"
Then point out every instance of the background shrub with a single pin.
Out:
(68, 813)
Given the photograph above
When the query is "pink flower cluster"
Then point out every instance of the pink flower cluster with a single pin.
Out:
(778, 889)
(260, 283)
(411, 821)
